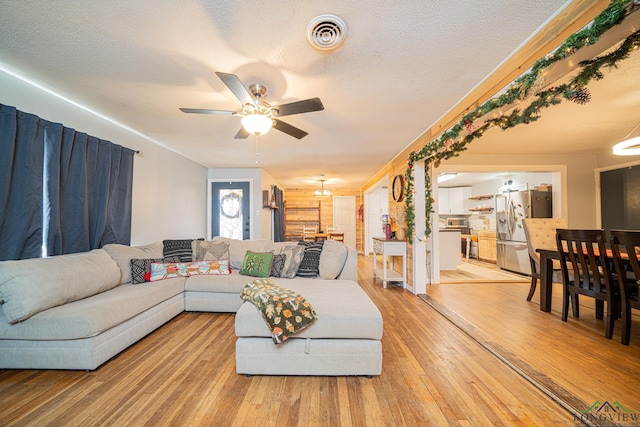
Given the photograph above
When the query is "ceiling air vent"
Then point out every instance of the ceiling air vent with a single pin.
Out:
(326, 32)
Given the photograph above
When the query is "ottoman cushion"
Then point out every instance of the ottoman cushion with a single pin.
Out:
(344, 311)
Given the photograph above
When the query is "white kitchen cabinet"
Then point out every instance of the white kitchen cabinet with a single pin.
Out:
(454, 200)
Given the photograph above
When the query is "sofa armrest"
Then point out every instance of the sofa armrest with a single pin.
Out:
(350, 269)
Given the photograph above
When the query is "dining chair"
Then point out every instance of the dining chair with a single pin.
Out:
(627, 269)
(541, 234)
(585, 271)
(309, 233)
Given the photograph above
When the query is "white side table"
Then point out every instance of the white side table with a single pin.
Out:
(389, 248)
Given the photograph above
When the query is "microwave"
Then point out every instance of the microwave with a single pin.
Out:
(457, 223)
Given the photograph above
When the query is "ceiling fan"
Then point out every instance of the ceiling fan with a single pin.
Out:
(257, 115)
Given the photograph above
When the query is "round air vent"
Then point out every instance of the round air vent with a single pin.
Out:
(326, 32)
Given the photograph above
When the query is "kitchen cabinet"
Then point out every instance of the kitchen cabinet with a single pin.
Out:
(453, 201)
(487, 248)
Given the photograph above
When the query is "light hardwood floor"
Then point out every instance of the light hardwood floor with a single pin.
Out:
(434, 373)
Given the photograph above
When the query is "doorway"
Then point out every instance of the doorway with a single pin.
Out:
(344, 218)
(230, 209)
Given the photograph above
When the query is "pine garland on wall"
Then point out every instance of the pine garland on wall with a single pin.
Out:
(452, 142)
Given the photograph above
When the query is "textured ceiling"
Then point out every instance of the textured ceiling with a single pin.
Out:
(403, 65)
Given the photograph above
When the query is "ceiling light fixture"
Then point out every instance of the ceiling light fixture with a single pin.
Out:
(256, 124)
(442, 177)
(322, 192)
(628, 147)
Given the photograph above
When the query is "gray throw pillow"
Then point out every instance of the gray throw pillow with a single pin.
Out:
(294, 257)
(277, 265)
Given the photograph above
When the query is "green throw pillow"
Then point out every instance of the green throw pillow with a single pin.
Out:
(257, 264)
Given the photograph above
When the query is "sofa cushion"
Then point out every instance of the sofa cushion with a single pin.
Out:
(294, 256)
(206, 250)
(238, 249)
(89, 317)
(332, 259)
(277, 266)
(257, 264)
(123, 254)
(310, 265)
(33, 285)
(229, 284)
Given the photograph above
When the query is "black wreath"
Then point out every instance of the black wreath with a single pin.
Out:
(229, 198)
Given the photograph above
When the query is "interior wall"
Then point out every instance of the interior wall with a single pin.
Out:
(169, 198)
(577, 186)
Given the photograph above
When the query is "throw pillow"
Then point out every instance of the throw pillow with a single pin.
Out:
(207, 250)
(160, 271)
(181, 248)
(294, 257)
(277, 266)
(141, 269)
(310, 265)
(257, 264)
(208, 267)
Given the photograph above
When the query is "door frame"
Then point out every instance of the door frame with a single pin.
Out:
(210, 182)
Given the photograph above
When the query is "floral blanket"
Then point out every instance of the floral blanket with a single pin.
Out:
(285, 311)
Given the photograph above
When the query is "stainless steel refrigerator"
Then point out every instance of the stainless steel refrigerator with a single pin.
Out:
(511, 209)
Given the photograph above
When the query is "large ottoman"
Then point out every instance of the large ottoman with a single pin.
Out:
(344, 340)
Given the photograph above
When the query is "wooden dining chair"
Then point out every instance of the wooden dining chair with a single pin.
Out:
(309, 233)
(585, 271)
(627, 269)
(541, 234)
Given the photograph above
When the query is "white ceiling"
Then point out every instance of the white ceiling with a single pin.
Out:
(403, 65)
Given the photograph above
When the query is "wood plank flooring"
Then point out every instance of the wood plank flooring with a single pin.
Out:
(434, 373)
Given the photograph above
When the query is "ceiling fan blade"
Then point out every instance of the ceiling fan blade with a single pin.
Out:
(242, 134)
(288, 129)
(235, 85)
(204, 111)
(306, 106)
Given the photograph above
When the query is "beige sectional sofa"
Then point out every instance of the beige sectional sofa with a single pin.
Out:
(77, 311)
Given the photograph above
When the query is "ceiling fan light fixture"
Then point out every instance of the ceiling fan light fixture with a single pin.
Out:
(256, 124)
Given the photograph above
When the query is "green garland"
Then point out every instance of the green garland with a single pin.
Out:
(451, 144)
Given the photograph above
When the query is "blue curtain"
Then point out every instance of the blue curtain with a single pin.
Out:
(88, 191)
(21, 164)
(61, 188)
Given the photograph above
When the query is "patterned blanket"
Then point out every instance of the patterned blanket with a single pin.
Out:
(284, 311)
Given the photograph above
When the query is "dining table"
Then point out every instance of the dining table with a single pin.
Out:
(547, 256)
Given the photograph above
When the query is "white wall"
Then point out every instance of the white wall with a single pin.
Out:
(169, 190)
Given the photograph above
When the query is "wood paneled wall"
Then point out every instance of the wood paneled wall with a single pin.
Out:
(303, 196)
